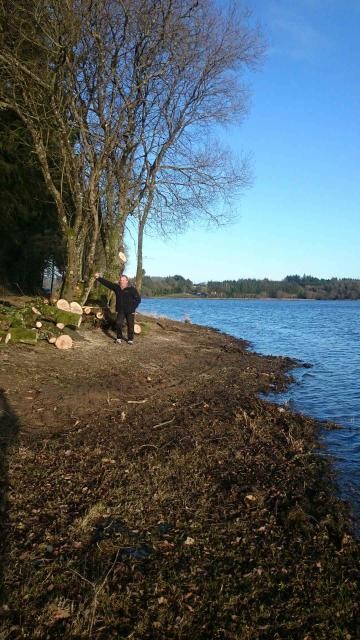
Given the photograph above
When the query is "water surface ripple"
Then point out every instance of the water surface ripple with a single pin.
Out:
(323, 333)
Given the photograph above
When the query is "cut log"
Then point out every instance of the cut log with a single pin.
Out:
(53, 314)
(137, 328)
(14, 302)
(48, 330)
(75, 307)
(63, 342)
(38, 324)
(4, 323)
(19, 334)
(92, 310)
(63, 304)
(36, 311)
(18, 319)
(60, 325)
(52, 340)
(122, 256)
(99, 315)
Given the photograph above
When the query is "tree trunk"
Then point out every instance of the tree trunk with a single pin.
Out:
(139, 266)
(114, 244)
(52, 275)
(69, 289)
(142, 223)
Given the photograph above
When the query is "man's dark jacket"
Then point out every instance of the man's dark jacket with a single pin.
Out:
(126, 299)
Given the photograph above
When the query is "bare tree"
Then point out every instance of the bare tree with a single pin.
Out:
(196, 85)
(191, 186)
(77, 92)
(126, 90)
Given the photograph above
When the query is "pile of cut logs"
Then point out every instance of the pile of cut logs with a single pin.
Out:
(39, 320)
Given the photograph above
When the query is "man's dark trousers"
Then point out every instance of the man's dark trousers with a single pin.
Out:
(130, 321)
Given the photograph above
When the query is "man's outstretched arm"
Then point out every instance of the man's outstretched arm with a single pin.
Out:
(106, 283)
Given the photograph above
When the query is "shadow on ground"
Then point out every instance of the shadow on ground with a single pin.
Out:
(9, 428)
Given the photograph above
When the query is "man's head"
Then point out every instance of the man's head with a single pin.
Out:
(123, 282)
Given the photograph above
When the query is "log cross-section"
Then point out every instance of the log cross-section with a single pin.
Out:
(63, 342)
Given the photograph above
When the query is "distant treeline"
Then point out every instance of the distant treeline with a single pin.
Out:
(303, 287)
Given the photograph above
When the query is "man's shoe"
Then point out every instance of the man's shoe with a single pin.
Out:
(130, 342)
(117, 341)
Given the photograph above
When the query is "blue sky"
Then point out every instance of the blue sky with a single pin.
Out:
(302, 213)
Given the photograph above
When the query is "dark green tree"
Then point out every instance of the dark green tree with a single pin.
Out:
(29, 234)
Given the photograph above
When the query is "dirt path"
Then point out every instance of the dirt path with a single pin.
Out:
(147, 492)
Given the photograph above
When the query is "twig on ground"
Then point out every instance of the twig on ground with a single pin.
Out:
(147, 446)
(163, 424)
(82, 577)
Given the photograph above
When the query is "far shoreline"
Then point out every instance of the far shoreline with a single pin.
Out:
(194, 297)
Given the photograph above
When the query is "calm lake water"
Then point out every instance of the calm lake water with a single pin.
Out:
(325, 334)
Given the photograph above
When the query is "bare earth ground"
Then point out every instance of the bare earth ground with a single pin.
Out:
(147, 492)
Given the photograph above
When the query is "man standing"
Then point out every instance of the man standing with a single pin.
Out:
(127, 299)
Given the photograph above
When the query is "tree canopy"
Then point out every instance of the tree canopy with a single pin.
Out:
(120, 99)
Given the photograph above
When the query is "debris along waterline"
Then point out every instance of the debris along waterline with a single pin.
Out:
(325, 333)
(331, 445)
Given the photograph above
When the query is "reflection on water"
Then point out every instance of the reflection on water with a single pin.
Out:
(323, 333)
